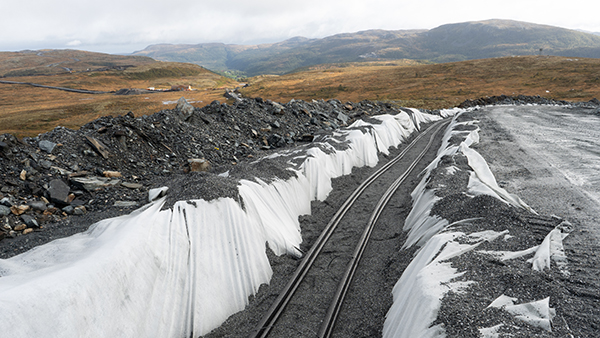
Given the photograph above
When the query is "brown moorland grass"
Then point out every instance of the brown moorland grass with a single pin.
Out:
(434, 86)
(27, 110)
(53, 61)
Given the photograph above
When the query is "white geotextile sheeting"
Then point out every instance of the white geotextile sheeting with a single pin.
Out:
(139, 275)
(551, 249)
(538, 313)
(418, 293)
(420, 225)
(179, 272)
(428, 277)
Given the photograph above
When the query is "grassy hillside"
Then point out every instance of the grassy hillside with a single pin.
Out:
(436, 85)
(51, 62)
(28, 111)
(447, 43)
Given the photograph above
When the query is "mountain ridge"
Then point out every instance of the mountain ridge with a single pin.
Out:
(446, 43)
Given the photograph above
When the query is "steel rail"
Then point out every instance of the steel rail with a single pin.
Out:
(336, 304)
(274, 312)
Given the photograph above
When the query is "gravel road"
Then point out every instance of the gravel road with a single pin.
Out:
(543, 154)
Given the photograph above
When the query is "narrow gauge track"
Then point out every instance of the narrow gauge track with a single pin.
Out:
(277, 308)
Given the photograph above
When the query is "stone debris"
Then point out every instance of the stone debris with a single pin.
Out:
(122, 159)
(97, 146)
(79, 210)
(19, 209)
(184, 108)
(20, 227)
(94, 183)
(47, 146)
(125, 158)
(198, 164)
(4, 210)
(132, 185)
(111, 174)
(125, 204)
(58, 192)
(30, 221)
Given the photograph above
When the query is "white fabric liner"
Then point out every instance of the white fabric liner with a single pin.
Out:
(180, 272)
(538, 313)
(429, 276)
(491, 332)
(551, 249)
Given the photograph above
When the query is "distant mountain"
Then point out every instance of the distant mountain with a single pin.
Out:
(447, 43)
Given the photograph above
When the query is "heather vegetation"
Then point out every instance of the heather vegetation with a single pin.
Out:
(434, 86)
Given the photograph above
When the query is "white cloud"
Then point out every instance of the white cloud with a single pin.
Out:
(127, 25)
(74, 43)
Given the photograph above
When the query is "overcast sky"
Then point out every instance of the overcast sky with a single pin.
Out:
(124, 26)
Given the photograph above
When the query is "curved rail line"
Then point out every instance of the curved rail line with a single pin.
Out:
(276, 309)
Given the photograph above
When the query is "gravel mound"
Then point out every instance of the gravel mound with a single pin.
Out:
(60, 182)
(521, 100)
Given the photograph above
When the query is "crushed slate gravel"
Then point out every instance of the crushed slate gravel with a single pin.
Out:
(154, 150)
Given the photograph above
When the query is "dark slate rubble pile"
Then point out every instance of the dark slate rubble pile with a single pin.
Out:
(505, 99)
(107, 166)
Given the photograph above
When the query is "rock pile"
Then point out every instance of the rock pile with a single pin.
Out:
(518, 100)
(108, 165)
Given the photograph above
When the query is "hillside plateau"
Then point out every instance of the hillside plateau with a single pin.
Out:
(26, 110)
(447, 43)
(435, 86)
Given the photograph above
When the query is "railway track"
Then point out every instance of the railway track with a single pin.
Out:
(269, 320)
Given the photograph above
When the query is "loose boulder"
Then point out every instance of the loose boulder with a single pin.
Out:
(58, 192)
(199, 164)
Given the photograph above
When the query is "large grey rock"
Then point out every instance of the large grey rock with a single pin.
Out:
(343, 118)
(68, 209)
(132, 185)
(4, 210)
(232, 95)
(30, 221)
(93, 183)
(37, 205)
(58, 192)
(278, 108)
(7, 202)
(184, 108)
(276, 141)
(47, 146)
